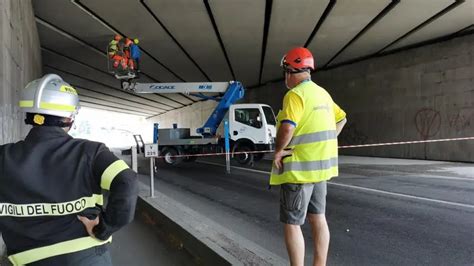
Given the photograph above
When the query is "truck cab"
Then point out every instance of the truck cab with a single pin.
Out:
(252, 127)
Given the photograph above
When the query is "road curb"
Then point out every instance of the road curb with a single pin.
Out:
(2, 246)
(208, 242)
(3, 251)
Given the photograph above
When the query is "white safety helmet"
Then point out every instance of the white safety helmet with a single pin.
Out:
(50, 95)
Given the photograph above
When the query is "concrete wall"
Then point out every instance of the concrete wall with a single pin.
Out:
(193, 116)
(20, 62)
(421, 93)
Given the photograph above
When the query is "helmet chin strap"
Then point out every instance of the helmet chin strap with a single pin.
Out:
(48, 120)
(69, 122)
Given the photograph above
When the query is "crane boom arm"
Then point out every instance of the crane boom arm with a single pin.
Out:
(181, 87)
(233, 91)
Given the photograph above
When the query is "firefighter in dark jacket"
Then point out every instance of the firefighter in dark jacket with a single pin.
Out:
(51, 202)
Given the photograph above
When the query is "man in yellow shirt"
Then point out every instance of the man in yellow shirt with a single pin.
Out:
(306, 155)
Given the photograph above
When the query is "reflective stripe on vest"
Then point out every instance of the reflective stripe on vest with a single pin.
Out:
(50, 209)
(308, 166)
(313, 137)
(61, 248)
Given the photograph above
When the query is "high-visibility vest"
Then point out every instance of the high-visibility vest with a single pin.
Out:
(314, 143)
(113, 47)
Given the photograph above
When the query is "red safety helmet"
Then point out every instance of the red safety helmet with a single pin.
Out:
(118, 37)
(299, 59)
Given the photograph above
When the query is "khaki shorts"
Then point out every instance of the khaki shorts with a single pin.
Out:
(298, 199)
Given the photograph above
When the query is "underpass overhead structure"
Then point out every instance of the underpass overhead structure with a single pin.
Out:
(392, 26)
(217, 40)
(346, 20)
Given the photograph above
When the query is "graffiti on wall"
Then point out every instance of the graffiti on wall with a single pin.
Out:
(352, 135)
(427, 122)
(461, 120)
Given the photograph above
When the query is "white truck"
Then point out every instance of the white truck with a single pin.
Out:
(252, 127)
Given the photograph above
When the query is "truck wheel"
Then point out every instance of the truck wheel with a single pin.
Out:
(244, 156)
(168, 158)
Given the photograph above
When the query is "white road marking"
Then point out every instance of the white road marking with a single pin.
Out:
(457, 204)
(444, 177)
(237, 167)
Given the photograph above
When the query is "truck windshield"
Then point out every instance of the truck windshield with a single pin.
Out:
(269, 116)
(248, 116)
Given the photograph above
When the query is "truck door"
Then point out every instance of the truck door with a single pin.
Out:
(248, 122)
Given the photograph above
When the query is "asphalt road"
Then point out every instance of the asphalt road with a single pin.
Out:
(380, 211)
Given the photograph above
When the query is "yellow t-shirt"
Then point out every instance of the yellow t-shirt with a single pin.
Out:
(293, 110)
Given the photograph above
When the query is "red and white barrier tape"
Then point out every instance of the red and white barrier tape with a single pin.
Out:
(340, 147)
(404, 142)
(215, 154)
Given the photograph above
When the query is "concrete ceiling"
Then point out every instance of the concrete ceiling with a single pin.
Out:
(221, 40)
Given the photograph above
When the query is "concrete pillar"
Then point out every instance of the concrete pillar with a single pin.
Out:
(20, 62)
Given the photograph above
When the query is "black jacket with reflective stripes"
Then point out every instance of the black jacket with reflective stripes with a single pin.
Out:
(50, 178)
